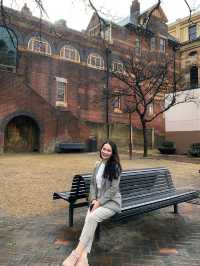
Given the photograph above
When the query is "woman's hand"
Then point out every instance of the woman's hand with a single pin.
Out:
(96, 205)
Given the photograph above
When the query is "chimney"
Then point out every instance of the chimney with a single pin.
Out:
(26, 11)
(134, 12)
(61, 23)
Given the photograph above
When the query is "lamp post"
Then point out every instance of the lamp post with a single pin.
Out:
(108, 61)
(130, 136)
(130, 111)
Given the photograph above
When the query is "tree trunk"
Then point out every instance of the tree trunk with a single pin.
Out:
(130, 138)
(144, 130)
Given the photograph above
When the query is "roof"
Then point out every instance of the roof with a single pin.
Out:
(173, 39)
(151, 8)
(127, 19)
(124, 21)
(184, 19)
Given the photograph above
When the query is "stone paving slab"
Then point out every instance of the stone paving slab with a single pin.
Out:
(160, 238)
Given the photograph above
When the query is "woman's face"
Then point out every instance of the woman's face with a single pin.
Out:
(106, 151)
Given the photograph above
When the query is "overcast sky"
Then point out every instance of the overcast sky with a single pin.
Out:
(77, 15)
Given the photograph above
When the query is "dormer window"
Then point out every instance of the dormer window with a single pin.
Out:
(117, 67)
(94, 31)
(162, 45)
(137, 46)
(153, 44)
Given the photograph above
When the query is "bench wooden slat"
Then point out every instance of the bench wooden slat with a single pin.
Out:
(159, 199)
(143, 183)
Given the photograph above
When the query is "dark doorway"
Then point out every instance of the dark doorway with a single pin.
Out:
(194, 77)
(22, 135)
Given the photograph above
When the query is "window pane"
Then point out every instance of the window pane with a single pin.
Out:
(192, 32)
(137, 46)
(96, 61)
(60, 91)
(153, 43)
(162, 45)
(117, 67)
(70, 53)
(39, 46)
(8, 47)
(194, 77)
(117, 102)
(93, 61)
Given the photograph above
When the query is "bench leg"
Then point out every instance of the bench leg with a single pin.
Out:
(175, 208)
(71, 216)
(97, 232)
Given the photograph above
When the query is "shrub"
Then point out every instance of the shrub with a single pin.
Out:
(167, 147)
(194, 149)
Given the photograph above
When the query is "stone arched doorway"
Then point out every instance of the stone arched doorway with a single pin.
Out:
(22, 134)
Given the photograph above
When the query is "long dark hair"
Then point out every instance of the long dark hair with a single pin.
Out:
(113, 167)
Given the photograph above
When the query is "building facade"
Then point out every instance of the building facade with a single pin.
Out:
(53, 78)
(182, 121)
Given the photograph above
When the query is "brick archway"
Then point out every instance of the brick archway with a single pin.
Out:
(22, 134)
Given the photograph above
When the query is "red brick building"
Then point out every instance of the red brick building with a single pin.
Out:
(52, 78)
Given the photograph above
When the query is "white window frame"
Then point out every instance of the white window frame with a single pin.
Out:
(70, 53)
(63, 102)
(106, 33)
(137, 46)
(5, 63)
(34, 40)
(117, 104)
(192, 35)
(153, 43)
(117, 67)
(150, 109)
(162, 46)
(94, 57)
(95, 30)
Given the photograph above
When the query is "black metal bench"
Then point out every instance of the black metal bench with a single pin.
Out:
(77, 196)
(65, 147)
(142, 190)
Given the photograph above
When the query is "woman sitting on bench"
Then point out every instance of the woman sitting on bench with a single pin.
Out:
(105, 200)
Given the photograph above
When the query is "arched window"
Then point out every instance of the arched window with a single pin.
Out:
(39, 45)
(194, 77)
(95, 61)
(8, 49)
(70, 53)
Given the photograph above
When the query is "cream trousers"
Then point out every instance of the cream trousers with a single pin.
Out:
(91, 221)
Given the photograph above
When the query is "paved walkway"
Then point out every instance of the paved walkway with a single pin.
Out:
(157, 239)
(160, 238)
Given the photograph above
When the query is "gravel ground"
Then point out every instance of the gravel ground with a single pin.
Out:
(27, 181)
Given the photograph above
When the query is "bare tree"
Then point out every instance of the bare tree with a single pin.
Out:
(146, 78)
(141, 74)
(150, 87)
(100, 14)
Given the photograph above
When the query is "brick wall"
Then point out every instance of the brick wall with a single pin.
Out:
(17, 99)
